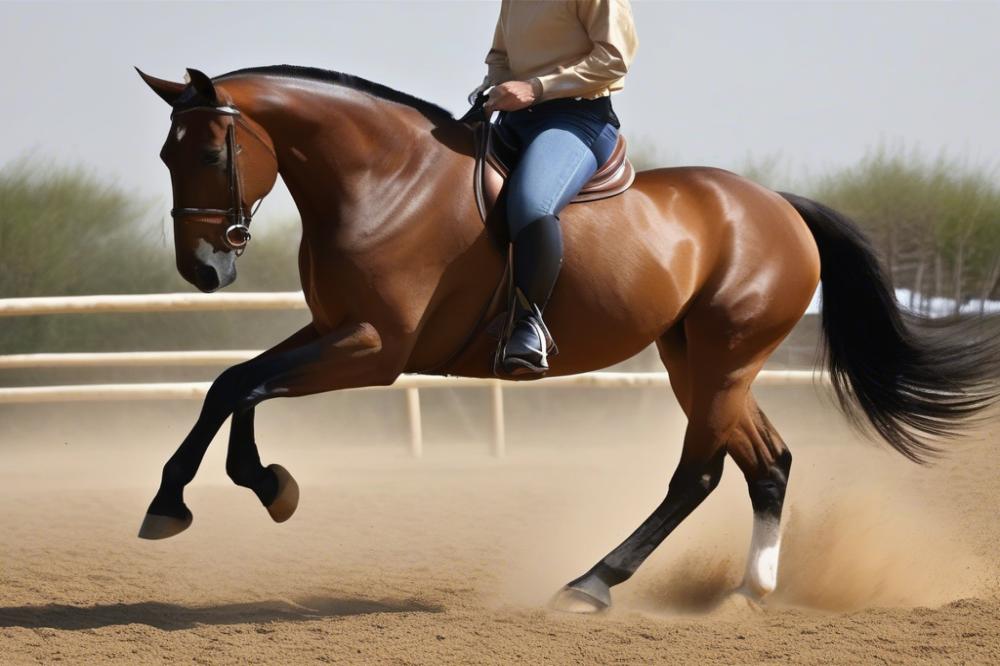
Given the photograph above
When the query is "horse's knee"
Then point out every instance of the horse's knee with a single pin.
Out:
(225, 387)
(233, 390)
(229, 378)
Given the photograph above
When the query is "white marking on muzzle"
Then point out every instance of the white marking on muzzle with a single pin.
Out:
(204, 252)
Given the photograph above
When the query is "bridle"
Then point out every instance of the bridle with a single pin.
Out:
(238, 215)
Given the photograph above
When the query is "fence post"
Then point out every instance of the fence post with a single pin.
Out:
(416, 428)
(499, 434)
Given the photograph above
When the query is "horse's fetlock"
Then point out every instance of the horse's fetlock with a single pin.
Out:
(243, 474)
(767, 493)
(766, 496)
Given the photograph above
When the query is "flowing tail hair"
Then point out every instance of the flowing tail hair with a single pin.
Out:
(914, 381)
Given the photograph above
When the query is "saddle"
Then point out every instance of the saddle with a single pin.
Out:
(495, 158)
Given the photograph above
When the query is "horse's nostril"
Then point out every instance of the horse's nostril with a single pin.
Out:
(208, 278)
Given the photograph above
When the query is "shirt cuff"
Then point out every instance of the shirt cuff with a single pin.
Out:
(537, 87)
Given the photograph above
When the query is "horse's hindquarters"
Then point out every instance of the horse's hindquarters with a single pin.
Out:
(680, 242)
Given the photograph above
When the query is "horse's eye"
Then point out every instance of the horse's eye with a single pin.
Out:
(211, 157)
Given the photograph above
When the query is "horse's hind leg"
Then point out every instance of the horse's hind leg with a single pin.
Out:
(714, 400)
(712, 361)
(689, 486)
(766, 461)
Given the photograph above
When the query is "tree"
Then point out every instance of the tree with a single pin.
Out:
(937, 217)
(65, 231)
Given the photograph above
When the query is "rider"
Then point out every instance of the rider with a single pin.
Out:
(552, 68)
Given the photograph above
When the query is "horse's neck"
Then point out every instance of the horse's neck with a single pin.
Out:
(385, 198)
(345, 156)
(389, 219)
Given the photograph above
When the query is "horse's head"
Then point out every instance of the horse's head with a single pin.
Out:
(221, 163)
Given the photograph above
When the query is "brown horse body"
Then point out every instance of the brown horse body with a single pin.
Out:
(374, 251)
(397, 268)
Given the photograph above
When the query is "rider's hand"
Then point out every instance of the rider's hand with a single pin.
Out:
(481, 88)
(512, 96)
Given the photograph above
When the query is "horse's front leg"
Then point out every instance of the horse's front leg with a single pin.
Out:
(243, 463)
(350, 356)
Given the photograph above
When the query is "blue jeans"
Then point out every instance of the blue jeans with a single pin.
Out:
(560, 150)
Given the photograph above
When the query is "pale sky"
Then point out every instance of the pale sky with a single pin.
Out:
(713, 82)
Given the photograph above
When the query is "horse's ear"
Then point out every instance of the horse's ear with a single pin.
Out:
(167, 90)
(202, 85)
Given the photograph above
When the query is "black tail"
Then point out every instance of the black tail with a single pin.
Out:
(914, 388)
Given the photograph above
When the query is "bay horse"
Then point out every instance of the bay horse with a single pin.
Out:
(397, 268)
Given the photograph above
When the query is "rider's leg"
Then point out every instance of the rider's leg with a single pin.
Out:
(557, 162)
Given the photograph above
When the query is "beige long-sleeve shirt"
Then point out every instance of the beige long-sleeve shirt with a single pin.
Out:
(574, 48)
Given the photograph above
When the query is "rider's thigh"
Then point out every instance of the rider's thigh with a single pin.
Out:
(605, 144)
(553, 168)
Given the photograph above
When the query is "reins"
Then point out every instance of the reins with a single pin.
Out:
(237, 234)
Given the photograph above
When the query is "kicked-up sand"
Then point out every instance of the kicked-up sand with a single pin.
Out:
(452, 558)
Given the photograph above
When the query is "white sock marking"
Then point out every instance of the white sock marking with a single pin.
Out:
(762, 563)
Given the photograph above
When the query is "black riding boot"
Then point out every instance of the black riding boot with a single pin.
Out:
(537, 260)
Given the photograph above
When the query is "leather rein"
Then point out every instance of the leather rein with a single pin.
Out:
(238, 215)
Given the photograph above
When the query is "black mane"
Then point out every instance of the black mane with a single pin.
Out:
(432, 111)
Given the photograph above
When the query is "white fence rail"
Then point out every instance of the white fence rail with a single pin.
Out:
(126, 359)
(411, 384)
(48, 305)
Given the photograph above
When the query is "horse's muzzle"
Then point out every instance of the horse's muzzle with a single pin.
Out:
(206, 278)
(209, 269)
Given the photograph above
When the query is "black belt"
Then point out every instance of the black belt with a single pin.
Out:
(599, 108)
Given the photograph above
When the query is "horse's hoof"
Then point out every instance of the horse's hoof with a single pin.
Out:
(586, 594)
(573, 600)
(287, 499)
(155, 526)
